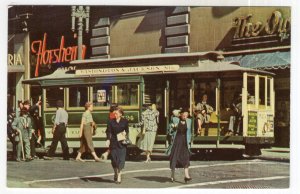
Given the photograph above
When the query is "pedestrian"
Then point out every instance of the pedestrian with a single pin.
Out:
(11, 133)
(23, 125)
(18, 109)
(32, 111)
(178, 151)
(203, 111)
(59, 132)
(236, 106)
(149, 123)
(117, 130)
(111, 116)
(86, 133)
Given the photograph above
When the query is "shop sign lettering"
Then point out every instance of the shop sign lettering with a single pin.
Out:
(275, 24)
(50, 56)
(14, 59)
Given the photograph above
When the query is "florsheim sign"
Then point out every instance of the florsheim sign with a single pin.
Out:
(51, 56)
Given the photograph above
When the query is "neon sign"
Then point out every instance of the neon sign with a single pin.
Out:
(51, 56)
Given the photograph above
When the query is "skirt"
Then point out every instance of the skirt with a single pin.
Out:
(147, 141)
(86, 140)
(180, 154)
(118, 156)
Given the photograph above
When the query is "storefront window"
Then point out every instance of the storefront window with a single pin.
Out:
(102, 95)
(78, 96)
(53, 95)
(127, 94)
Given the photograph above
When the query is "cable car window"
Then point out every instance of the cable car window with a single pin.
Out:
(102, 95)
(53, 95)
(251, 90)
(78, 96)
(262, 90)
(127, 94)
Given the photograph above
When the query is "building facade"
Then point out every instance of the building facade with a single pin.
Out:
(256, 37)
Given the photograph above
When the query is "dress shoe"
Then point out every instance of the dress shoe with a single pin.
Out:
(79, 160)
(186, 180)
(28, 159)
(47, 158)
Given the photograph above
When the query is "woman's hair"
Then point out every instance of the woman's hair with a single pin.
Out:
(87, 105)
(120, 110)
(113, 107)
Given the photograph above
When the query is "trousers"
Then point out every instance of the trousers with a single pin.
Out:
(59, 135)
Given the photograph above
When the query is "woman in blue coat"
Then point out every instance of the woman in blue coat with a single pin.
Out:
(117, 148)
(178, 151)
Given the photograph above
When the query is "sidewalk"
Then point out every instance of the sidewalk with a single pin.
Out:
(275, 153)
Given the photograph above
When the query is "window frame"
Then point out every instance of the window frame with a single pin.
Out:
(68, 107)
(128, 107)
(45, 97)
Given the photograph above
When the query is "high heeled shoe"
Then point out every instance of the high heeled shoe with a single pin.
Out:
(118, 181)
(172, 179)
(148, 160)
(186, 180)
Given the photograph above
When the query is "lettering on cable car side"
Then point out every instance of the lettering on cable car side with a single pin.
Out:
(59, 55)
(252, 123)
(148, 69)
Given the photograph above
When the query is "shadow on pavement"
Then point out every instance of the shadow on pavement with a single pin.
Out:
(97, 179)
(154, 179)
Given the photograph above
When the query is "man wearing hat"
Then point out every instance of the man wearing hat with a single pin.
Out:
(59, 132)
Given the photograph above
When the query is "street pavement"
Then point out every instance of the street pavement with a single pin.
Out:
(270, 170)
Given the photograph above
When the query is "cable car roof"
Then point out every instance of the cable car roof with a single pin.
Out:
(66, 77)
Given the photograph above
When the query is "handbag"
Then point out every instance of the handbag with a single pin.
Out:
(121, 137)
(94, 126)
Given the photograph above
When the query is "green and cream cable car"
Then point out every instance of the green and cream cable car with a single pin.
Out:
(170, 81)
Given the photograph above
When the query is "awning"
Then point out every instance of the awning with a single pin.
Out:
(264, 61)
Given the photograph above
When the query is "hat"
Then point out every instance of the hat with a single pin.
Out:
(176, 112)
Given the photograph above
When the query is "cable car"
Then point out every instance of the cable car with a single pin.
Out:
(170, 81)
